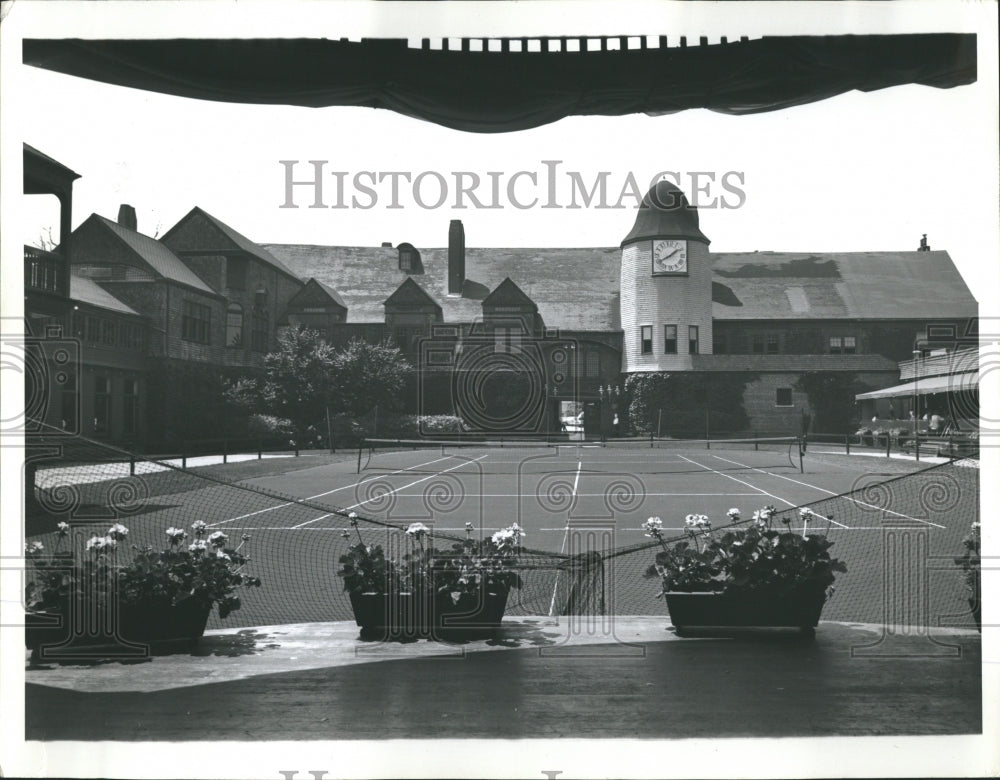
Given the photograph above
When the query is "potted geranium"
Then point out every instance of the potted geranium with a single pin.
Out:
(970, 562)
(104, 597)
(427, 592)
(754, 575)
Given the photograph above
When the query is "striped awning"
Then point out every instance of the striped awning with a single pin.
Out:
(950, 383)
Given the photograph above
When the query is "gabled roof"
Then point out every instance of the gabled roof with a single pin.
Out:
(88, 291)
(578, 289)
(838, 285)
(409, 293)
(573, 288)
(231, 239)
(315, 293)
(508, 293)
(164, 262)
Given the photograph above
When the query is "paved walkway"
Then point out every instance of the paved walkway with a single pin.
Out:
(540, 678)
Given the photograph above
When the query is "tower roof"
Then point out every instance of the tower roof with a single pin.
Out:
(665, 213)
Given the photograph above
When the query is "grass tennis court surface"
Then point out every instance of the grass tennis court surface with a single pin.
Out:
(898, 527)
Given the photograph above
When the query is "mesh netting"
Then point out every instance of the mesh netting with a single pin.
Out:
(898, 536)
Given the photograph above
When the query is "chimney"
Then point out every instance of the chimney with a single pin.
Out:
(456, 257)
(126, 217)
(924, 246)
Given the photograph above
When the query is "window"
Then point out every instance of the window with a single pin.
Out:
(507, 340)
(259, 331)
(693, 339)
(93, 329)
(102, 405)
(669, 339)
(234, 325)
(108, 333)
(757, 344)
(843, 345)
(783, 396)
(407, 336)
(130, 407)
(646, 339)
(405, 260)
(773, 345)
(195, 323)
(236, 273)
(593, 365)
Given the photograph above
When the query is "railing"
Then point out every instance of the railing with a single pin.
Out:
(45, 272)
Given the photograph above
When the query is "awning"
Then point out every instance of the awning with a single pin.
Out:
(952, 383)
(514, 88)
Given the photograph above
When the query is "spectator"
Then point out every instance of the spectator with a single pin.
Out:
(935, 424)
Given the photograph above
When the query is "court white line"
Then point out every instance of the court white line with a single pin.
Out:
(390, 492)
(830, 492)
(562, 547)
(729, 476)
(579, 495)
(327, 493)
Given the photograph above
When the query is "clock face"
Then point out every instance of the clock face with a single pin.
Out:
(669, 256)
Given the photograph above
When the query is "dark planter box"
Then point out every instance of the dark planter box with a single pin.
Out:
(415, 616)
(799, 608)
(129, 632)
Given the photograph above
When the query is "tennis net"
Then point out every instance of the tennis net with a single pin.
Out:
(645, 455)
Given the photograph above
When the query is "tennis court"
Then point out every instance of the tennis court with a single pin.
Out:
(578, 501)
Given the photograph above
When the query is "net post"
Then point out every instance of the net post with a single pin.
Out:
(847, 443)
(184, 457)
(888, 444)
(756, 443)
(916, 443)
(260, 449)
(802, 449)
(225, 451)
(296, 448)
(651, 440)
(361, 446)
(131, 465)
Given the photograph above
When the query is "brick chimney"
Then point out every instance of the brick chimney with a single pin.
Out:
(126, 217)
(924, 246)
(456, 257)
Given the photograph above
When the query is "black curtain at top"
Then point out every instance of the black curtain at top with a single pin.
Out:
(493, 92)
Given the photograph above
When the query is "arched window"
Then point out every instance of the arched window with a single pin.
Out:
(234, 325)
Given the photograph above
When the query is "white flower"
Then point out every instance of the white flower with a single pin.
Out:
(217, 539)
(198, 546)
(805, 513)
(222, 555)
(63, 529)
(733, 514)
(653, 527)
(416, 530)
(470, 527)
(975, 526)
(117, 531)
(101, 543)
(176, 535)
(691, 520)
(199, 526)
(32, 548)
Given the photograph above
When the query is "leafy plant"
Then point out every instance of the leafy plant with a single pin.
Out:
(757, 557)
(208, 571)
(467, 567)
(971, 562)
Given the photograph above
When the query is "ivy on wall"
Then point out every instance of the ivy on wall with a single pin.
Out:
(685, 404)
(831, 399)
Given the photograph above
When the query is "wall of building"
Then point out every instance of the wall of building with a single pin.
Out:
(664, 300)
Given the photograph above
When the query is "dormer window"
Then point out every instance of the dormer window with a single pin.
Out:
(409, 259)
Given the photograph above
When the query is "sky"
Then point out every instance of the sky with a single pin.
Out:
(858, 172)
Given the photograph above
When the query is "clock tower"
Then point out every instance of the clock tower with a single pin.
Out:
(666, 285)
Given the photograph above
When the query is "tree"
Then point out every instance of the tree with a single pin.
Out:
(297, 381)
(366, 375)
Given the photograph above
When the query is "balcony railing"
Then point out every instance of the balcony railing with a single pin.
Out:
(957, 362)
(45, 272)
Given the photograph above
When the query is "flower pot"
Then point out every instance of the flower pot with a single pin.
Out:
(391, 616)
(383, 616)
(473, 615)
(133, 624)
(796, 608)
